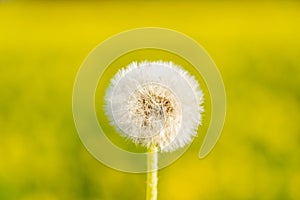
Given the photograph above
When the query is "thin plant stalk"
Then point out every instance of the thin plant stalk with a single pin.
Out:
(152, 174)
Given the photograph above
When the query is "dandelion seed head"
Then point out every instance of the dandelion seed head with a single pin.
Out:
(155, 104)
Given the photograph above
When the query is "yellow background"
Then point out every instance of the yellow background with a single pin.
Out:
(256, 46)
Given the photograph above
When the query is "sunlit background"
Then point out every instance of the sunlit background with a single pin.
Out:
(256, 46)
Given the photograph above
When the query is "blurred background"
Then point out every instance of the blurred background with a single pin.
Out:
(256, 46)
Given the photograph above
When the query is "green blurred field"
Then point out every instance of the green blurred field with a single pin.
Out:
(256, 47)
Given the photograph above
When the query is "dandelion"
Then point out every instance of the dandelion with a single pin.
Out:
(157, 105)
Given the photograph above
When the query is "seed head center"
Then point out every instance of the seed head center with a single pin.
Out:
(152, 108)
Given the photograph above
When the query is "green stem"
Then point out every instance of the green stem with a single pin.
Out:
(152, 174)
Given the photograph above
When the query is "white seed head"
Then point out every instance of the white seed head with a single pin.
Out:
(155, 104)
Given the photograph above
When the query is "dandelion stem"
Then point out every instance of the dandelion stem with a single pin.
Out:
(152, 174)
